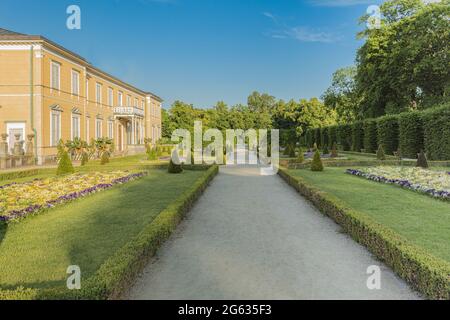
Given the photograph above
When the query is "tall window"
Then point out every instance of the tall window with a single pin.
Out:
(142, 104)
(136, 102)
(98, 128)
(76, 133)
(75, 83)
(55, 75)
(111, 129)
(55, 128)
(128, 101)
(110, 97)
(98, 93)
(120, 98)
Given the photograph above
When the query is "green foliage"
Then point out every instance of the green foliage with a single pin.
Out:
(104, 159)
(357, 136)
(65, 164)
(344, 133)
(316, 164)
(315, 148)
(301, 156)
(325, 150)
(370, 135)
(151, 154)
(437, 133)
(388, 133)
(422, 160)
(324, 142)
(380, 153)
(334, 151)
(342, 96)
(309, 138)
(332, 135)
(411, 139)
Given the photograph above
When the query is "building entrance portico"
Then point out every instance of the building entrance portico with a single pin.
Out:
(131, 129)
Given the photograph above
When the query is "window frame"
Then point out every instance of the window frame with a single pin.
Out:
(98, 93)
(98, 134)
(53, 142)
(52, 65)
(77, 73)
(72, 118)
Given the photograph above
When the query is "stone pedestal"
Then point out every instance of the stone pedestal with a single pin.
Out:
(29, 150)
(4, 156)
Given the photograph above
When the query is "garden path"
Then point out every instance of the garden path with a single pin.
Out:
(254, 237)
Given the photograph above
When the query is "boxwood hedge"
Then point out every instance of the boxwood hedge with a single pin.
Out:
(387, 127)
(370, 136)
(407, 132)
(428, 274)
(118, 272)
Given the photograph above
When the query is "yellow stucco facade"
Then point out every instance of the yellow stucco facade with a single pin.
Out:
(55, 94)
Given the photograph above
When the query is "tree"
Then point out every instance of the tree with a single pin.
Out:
(342, 96)
(404, 64)
(65, 164)
(316, 164)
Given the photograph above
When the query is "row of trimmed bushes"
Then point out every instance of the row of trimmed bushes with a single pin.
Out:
(408, 133)
(428, 274)
(118, 272)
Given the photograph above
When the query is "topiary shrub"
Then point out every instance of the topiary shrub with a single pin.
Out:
(344, 136)
(325, 150)
(151, 154)
(65, 164)
(357, 136)
(370, 136)
(104, 159)
(422, 160)
(334, 151)
(380, 153)
(175, 164)
(410, 134)
(301, 156)
(387, 129)
(84, 158)
(316, 164)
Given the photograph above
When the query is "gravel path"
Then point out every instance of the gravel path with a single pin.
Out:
(254, 237)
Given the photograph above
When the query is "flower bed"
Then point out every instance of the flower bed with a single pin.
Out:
(433, 183)
(18, 200)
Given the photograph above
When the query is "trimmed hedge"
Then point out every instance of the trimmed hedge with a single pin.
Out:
(388, 133)
(309, 138)
(317, 136)
(407, 132)
(357, 136)
(117, 273)
(332, 135)
(411, 139)
(437, 133)
(344, 133)
(324, 137)
(370, 136)
(428, 274)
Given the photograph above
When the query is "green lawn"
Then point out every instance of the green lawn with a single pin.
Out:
(423, 220)
(37, 251)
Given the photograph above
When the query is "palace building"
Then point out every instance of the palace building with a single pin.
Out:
(53, 93)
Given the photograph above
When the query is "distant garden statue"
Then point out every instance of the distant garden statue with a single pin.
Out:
(334, 151)
(380, 153)
(422, 161)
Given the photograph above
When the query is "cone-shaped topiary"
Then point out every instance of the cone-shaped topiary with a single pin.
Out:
(314, 149)
(84, 158)
(301, 156)
(334, 152)
(422, 161)
(104, 158)
(65, 164)
(291, 151)
(316, 164)
(380, 153)
(175, 164)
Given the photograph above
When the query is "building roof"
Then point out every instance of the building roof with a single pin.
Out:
(11, 35)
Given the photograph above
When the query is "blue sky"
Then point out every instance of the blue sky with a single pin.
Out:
(202, 51)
